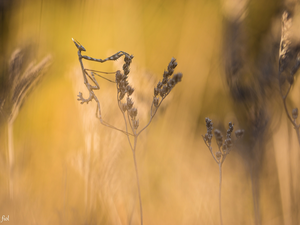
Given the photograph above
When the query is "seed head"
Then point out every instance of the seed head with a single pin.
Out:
(126, 71)
(124, 107)
(156, 91)
(177, 77)
(133, 112)
(159, 85)
(230, 129)
(136, 124)
(219, 137)
(121, 96)
(129, 90)
(118, 76)
(129, 103)
(171, 83)
(208, 136)
(164, 80)
(295, 113)
(164, 91)
(155, 101)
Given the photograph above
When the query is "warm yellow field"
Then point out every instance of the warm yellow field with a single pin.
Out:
(70, 169)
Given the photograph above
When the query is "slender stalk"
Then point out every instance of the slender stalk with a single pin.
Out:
(220, 187)
(297, 127)
(137, 179)
(133, 149)
(163, 88)
(10, 158)
(224, 149)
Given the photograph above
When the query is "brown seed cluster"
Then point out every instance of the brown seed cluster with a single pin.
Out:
(289, 55)
(164, 87)
(228, 142)
(124, 88)
(209, 127)
(224, 146)
(295, 113)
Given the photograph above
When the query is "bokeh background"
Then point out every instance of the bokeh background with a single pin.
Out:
(69, 169)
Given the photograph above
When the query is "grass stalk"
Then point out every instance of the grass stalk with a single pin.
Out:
(220, 192)
(11, 158)
(124, 90)
(224, 148)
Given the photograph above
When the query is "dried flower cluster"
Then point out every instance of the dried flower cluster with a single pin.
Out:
(224, 146)
(124, 89)
(289, 63)
(164, 87)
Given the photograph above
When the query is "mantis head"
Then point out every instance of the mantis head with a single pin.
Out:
(78, 45)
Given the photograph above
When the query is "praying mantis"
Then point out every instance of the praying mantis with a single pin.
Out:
(95, 86)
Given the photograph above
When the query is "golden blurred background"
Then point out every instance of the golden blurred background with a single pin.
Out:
(69, 169)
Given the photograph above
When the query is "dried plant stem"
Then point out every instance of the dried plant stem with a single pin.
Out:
(11, 158)
(293, 121)
(135, 135)
(220, 163)
(133, 149)
(220, 188)
(138, 182)
(255, 193)
(224, 147)
(163, 88)
(287, 53)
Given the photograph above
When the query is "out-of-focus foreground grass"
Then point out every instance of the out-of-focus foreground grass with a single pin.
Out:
(69, 169)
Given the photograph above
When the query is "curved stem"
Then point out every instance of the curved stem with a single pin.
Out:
(297, 127)
(151, 117)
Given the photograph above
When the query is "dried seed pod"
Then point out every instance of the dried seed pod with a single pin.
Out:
(177, 77)
(126, 71)
(121, 96)
(133, 112)
(129, 90)
(124, 107)
(156, 91)
(118, 76)
(136, 124)
(163, 91)
(219, 137)
(171, 83)
(159, 85)
(165, 75)
(164, 80)
(295, 113)
(218, 155)
(155, 101)
(129, 103)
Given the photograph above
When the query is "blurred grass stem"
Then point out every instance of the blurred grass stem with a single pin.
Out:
(220, 188)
